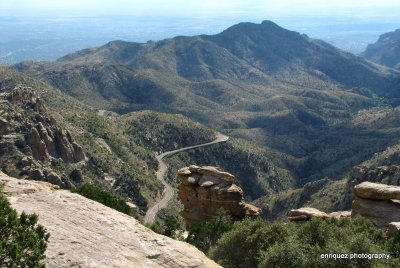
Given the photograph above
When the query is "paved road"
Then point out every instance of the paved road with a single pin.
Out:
(162, 169)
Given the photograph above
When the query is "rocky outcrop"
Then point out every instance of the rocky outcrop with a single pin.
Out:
(37, 145)
(378, 202)
(205, 190)
(58, 143)
(43, 138)
(31, 140)
(84, 233)
(387, 174)
(69, 150)
(26, 96)
(307, 213)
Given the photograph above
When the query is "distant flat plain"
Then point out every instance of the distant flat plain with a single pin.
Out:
(34, 38)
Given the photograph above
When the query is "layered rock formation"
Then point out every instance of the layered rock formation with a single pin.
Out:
(378, 202)
(84, 233)
(205, 190)
(386, 172)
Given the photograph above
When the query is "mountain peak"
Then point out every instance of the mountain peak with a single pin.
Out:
(249, 27)
(386, 50)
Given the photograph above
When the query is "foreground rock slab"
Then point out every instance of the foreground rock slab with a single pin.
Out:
(85, 233)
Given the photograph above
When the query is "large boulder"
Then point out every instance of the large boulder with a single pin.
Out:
(378, 202)
(205, 190)
(377, 191)
(380, 212)
(306, 213)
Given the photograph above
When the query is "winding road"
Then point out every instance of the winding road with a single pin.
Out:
(162, 169)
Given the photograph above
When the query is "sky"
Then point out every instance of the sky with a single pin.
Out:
(199, 8)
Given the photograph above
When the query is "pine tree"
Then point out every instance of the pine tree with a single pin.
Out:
(22, 241)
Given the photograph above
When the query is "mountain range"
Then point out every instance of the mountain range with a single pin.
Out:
(298, 109)
(386, 50)
(259, 82)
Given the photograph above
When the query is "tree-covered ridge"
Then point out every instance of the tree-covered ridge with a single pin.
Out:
(258, 82)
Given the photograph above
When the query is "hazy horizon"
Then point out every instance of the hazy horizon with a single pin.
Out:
(46, 30)
(204, 8)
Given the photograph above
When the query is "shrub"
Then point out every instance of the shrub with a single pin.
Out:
(204, 234)
(22, 241)
(167, 223)
(256, 243)
(102, 196)
(395, 245)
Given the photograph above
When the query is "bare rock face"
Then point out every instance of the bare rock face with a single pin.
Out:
(205, 190)
(378, 202)
(84, 233)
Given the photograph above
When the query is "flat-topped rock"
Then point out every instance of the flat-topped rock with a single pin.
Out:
(212, 171)
(306, 213)
(377, 191)
(340, 214)
(84, 233)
